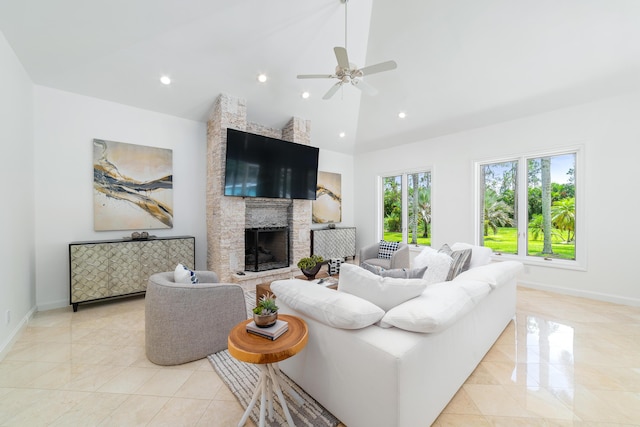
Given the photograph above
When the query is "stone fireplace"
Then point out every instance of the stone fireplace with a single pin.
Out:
(228, 218)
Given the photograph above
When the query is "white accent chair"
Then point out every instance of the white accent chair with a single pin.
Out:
(400, 258)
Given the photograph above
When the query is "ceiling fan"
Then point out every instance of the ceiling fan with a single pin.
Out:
(347, 72)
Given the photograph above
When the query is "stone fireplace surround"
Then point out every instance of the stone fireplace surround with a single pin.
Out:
(227, 217)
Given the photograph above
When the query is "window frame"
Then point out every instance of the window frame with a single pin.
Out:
(404, 182)
(580, 263)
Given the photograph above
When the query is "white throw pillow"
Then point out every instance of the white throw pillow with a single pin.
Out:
(385, 292)
(435, 309)
(438, 265)
(183, 275)
(480, 255)
(333, 308)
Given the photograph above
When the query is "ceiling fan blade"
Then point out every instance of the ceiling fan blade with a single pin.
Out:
(365, 87)
(378, 68)
(342, 57)
(332, 91)
(315, 76)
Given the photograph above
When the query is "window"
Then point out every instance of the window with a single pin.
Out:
(406, 208)
(527, 206)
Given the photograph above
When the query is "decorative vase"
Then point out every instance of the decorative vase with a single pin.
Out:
(311, 272)
(265, 320)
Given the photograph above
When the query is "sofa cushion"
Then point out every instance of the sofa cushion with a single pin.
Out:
(438, 265)
(333, 308)
(386, 249)
(183, 275)
(461, 259)
(480, 255)
(494, 274)
(436, 308)
(385, 292)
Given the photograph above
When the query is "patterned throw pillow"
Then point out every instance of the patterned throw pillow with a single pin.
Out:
(183, 275)
(386, 249)
(460, 263)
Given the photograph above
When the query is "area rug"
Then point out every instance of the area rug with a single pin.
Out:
(241, 378)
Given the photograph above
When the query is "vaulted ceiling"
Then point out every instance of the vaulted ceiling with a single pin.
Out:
(461, 63)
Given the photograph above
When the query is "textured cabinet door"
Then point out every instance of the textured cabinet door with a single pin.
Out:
(89, 271)
(334, 242)
(124, 269)
(108, 269)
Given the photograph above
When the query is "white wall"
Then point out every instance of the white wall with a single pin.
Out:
(610, 133)
(17, 287)
(65, 125)
(332, 161)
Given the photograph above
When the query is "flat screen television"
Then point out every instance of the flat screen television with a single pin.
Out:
(259, 166)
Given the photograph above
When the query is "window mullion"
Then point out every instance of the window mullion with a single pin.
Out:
(523, 211)
(405, 207)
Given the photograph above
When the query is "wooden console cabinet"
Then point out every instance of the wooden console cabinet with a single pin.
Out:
(115, 268)
(339, 242)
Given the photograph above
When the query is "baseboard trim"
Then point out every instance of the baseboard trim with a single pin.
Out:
(13, 336)
(599, 296)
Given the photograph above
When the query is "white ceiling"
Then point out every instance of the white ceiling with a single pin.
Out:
(461, 63)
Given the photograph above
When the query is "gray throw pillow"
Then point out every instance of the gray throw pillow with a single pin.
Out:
(372, 268)
(404, 273)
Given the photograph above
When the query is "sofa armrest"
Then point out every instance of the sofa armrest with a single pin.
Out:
(369, 252)
(207, 276)
(401, 258)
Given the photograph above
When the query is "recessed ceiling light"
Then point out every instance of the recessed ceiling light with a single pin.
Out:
(402, 114)
(262, 78)
(305, 95)
(342, 134)
(165, 80)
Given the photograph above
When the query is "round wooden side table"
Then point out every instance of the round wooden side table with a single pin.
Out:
(266, 353)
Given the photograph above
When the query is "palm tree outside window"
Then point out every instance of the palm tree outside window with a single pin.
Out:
(406, 208)
(527, 206)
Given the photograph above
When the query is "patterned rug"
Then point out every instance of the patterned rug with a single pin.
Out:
(241, 378)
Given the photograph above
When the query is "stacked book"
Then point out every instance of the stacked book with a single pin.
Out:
(272, 332)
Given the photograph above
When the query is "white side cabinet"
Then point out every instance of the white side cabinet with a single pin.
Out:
(115, 268)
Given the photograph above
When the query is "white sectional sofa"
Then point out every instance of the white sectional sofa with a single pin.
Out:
(370, 373)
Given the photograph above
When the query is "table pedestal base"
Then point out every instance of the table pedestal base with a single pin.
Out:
(268, 382)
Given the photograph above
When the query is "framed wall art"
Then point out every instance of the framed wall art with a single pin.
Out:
(327, 208)
(132, 186)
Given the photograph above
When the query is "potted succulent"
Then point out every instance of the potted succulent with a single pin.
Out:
(265, 313)
(310, 266)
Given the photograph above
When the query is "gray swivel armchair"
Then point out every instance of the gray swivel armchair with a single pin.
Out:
(188, 322)
(400, 258)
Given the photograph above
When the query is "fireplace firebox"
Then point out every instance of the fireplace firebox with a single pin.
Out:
(266, 248)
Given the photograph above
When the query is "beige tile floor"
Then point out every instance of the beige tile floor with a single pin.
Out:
(566, 361)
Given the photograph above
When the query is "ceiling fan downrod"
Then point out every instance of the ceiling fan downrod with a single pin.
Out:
(345, 21)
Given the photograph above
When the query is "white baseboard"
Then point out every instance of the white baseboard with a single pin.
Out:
(599, 296)
(6, 345)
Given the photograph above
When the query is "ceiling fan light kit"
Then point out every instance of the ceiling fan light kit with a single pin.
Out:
(347, 72)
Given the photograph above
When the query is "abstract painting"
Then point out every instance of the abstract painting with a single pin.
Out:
(132, 186)
(327, 207)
